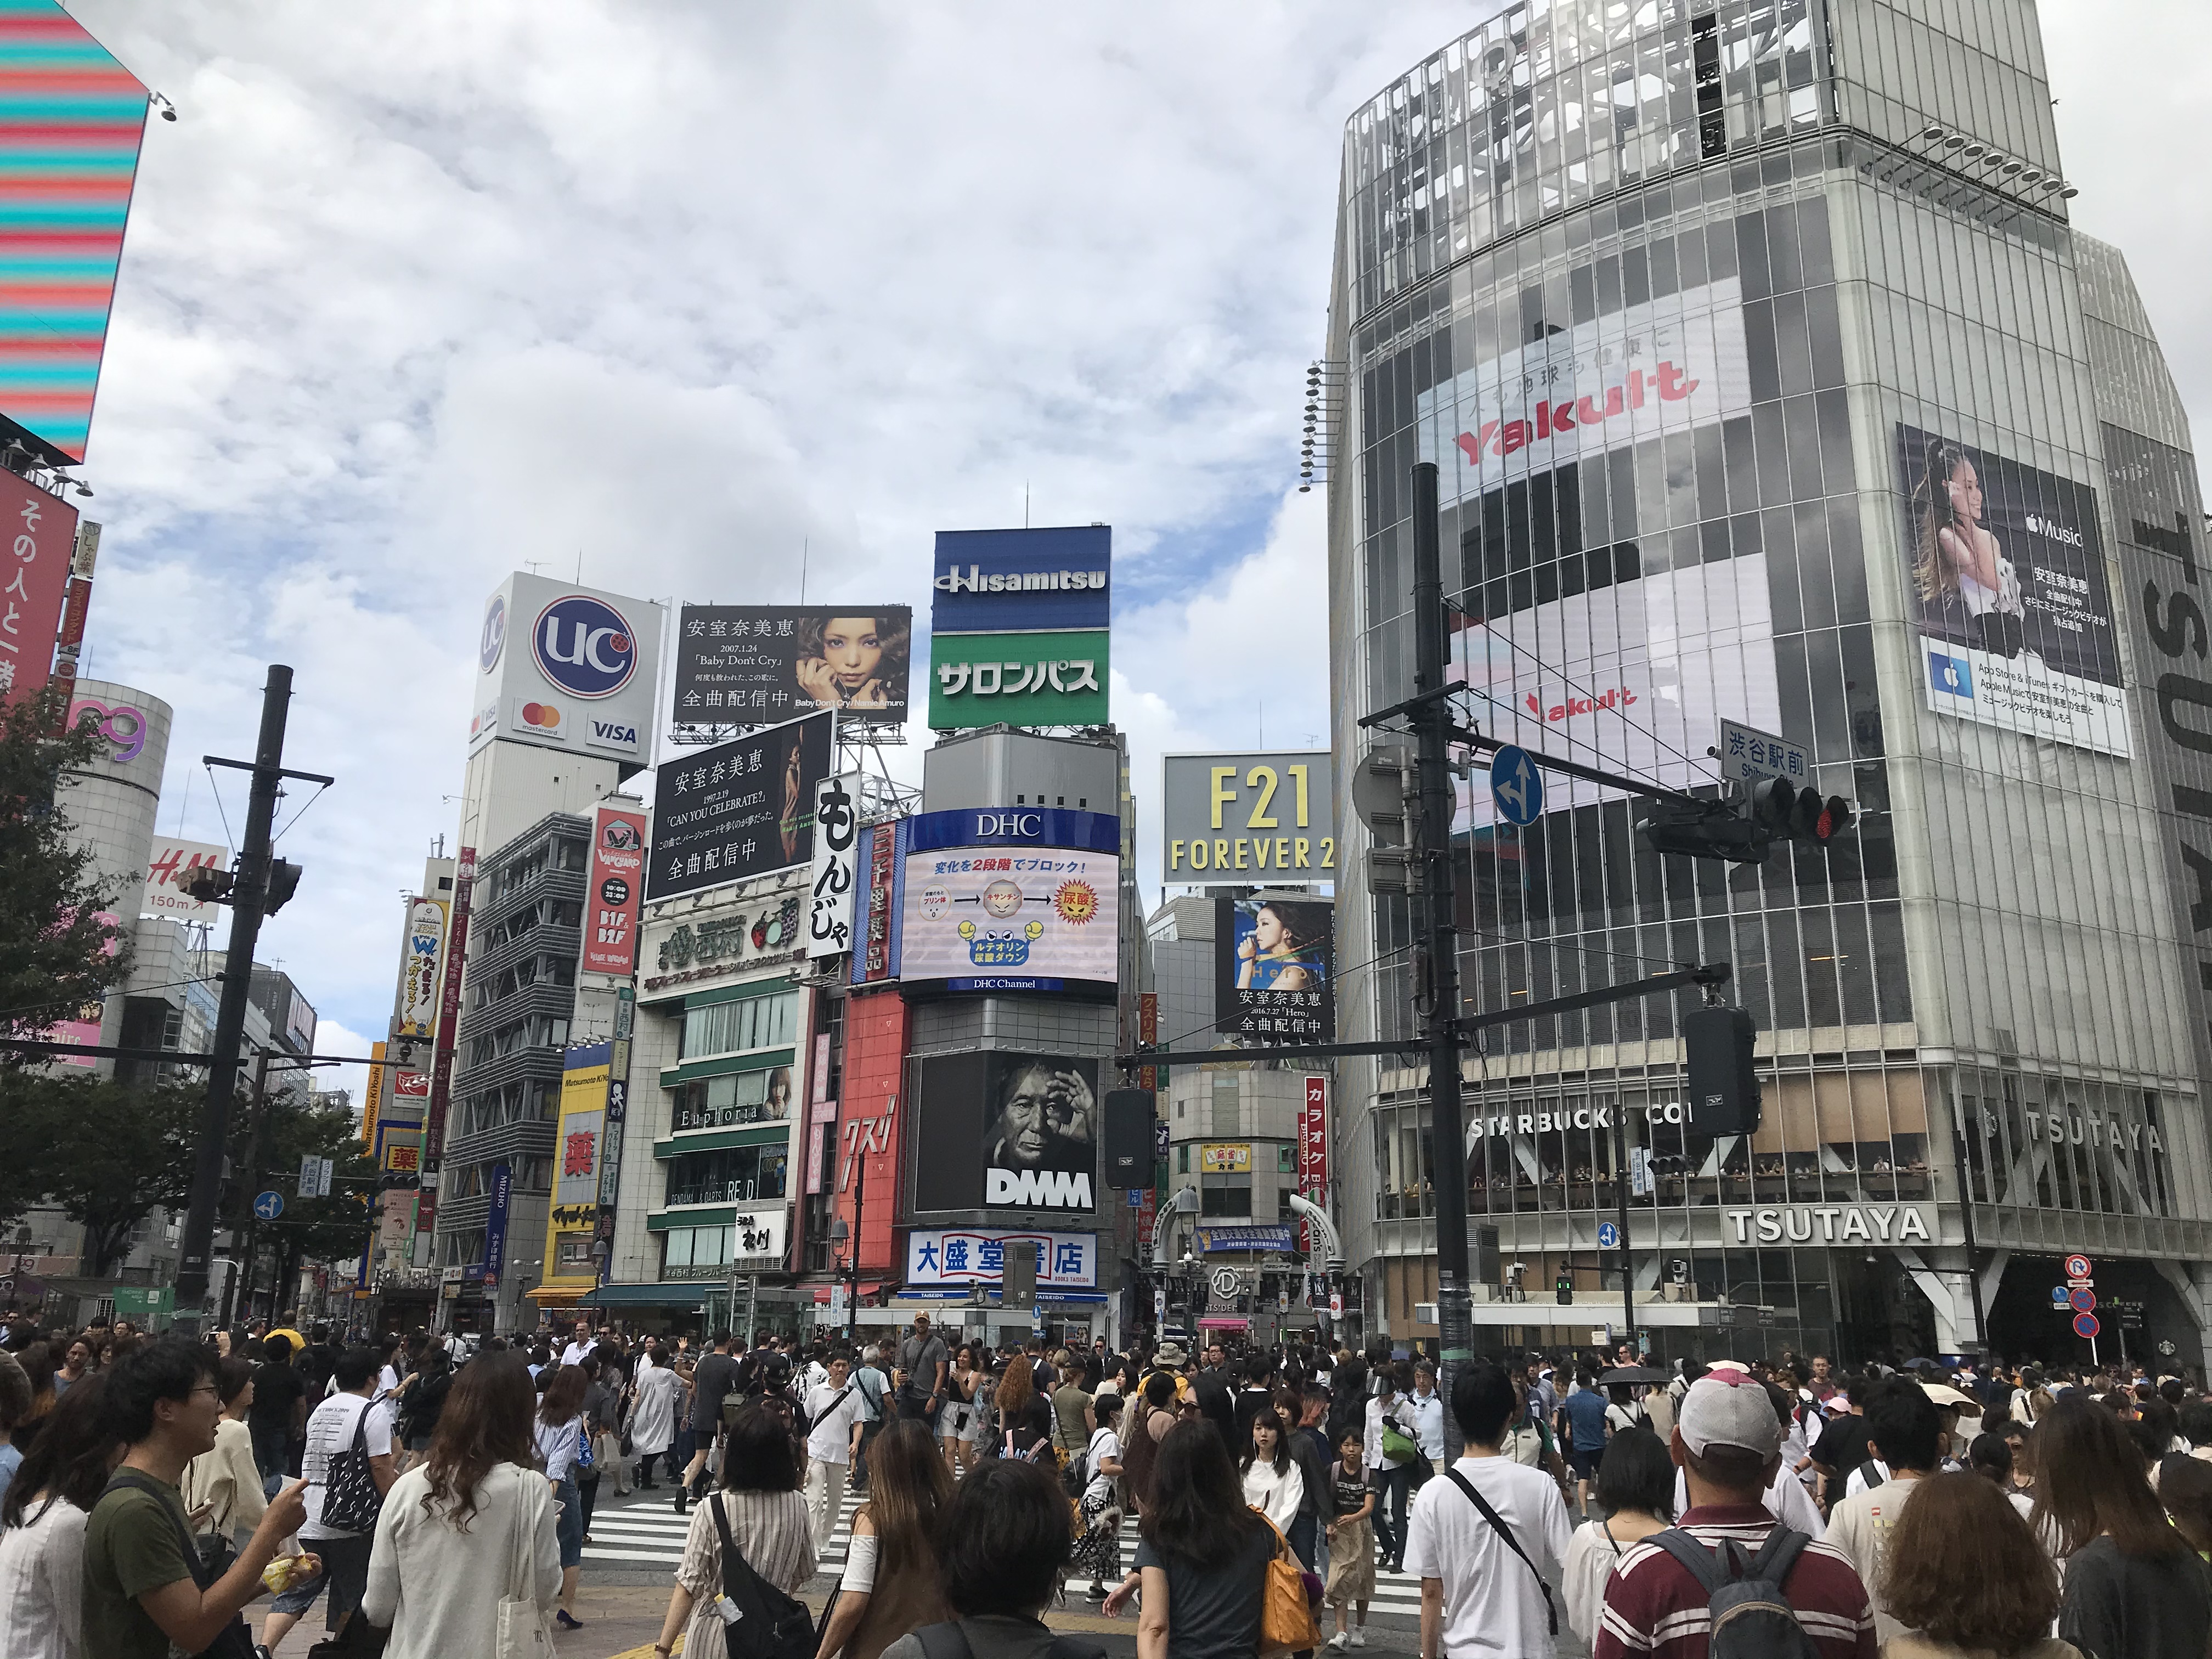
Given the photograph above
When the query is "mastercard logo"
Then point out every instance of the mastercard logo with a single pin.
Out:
(545, 716)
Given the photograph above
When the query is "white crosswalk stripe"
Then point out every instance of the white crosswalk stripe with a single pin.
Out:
(644, 1531)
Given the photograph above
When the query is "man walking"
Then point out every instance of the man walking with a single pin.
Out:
(350, 1416)
(1486, 1538)
(833, 1440)
(922, 1365)
(872, 1388)
(714, 1376)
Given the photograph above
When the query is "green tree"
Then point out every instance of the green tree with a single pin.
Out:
(104, 1153)
(58, 953)
(332, 1229)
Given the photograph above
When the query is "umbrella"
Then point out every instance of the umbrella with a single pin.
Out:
(1633, 1374)
(1922, 1364)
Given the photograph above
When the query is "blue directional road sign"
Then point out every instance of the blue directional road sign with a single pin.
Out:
(1609, 1235)
(2060, 1295)
(1516, 788)
(268, 1205)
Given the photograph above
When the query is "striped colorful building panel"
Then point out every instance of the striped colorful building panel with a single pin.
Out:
(71, 119)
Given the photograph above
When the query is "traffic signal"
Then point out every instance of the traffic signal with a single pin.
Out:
(1564, 1287)
(1781, 808)
(283, 882)
(1129, 1117)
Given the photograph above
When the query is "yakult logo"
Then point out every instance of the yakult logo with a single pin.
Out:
(1502, 437)
(1618, 697)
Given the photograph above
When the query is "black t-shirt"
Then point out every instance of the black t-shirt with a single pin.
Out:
(277, 1390)
(1842, 1445)
(1215, 1611)
(715, 1376)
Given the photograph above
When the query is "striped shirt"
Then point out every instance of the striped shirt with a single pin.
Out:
(1653, 1606)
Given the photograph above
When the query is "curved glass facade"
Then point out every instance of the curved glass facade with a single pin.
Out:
(1690, 307)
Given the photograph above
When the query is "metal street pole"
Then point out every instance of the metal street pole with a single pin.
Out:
(1627, 1275)
(231, 1299)
(1432, 827)
(247, 897)
(853, 1291)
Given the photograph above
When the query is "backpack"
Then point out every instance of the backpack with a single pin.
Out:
(1752, 1618)
(1870, 1474)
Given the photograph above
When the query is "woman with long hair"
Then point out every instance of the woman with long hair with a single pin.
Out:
(38, 1363)
(2134, 1588)
(453, 1526)
(761, 1504)
(1274, 1483)
(561, 1443)
(42, 1523)
(957, 1419)
(226, 1480)
(1965, 1577)
(1199, 1549)
(890, 1583)
(421, 1397)
(852, 662)
(1956, 557)
(1274, 956)
(1024, 1415)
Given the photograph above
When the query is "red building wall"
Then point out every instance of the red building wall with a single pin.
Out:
(868, 1124)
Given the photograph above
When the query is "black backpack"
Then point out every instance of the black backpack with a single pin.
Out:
(770, 1623)
(1752, 1618)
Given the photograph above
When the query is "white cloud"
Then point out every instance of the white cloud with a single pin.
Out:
(416, 293)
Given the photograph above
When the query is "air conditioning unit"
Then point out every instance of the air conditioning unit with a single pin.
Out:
(1425, 1313)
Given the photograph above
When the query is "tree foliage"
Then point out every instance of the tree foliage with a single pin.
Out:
(104, 1153)
(57, 952)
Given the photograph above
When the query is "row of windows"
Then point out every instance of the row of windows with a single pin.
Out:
(1547, 109)
(731, 1174)
(734, 1027)
(757, 1096)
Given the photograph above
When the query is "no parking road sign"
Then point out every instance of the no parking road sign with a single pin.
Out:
(2082, 1302)
(2085, 1324)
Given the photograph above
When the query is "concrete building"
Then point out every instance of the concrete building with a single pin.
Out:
(1769, 382)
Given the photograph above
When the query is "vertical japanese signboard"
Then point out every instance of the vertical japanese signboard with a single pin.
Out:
(34, 573)
(449, 1020)
(1312, 1150)
(837, 861)
(615, 889)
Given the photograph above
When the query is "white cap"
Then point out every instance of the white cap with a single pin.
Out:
(1728, 1406)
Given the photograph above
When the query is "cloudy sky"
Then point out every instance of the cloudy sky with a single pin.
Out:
(416, 294)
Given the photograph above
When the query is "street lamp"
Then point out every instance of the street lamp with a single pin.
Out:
(840, 1236)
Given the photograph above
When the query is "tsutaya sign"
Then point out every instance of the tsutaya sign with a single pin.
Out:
(1833, 1224)
(2096, 1128)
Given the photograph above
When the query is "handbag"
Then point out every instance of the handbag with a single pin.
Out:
(584, 1447)
(770, 1624)
(1397, 1444)
(522, 1632)
(350, 1499)
(1286, 1620)
(354, 1638)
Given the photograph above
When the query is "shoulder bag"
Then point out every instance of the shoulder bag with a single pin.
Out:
(350, 1499)
(769, 1624)
(522, 1632)
(1498, 1525)
(1286, 1620)
(234, 1640)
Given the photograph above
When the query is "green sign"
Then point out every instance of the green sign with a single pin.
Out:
(1022, 679)
(144, 1306)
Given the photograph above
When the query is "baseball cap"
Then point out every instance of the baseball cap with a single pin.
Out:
(1728, 1406)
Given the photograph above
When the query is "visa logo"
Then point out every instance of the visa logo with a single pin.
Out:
(614, 731)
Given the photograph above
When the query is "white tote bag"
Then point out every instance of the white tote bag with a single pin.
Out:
(522, 1630)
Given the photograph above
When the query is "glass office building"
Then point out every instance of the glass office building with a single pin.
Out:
(1769, 384)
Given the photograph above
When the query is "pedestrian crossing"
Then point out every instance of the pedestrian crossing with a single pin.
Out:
(643, 1532)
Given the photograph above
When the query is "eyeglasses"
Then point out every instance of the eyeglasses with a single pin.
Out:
(205, 1388)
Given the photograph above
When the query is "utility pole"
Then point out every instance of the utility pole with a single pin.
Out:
(853, 1290)
(1620, 1197)
(248, 899)
(1431, 828)
(232, 1301)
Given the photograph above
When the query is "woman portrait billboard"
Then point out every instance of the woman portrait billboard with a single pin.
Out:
(755, 665)
(1274, 968)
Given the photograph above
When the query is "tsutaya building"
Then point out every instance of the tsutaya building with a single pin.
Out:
(1767, 381)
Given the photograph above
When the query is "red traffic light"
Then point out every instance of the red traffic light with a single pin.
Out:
(1815, 819)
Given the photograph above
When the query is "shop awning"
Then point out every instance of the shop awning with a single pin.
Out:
(868, 1287)
(690, 1293)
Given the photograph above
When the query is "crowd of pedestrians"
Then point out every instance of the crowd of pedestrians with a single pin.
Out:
(430, 1496)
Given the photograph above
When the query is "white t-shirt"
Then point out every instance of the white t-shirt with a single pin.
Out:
(1104, 1444)
(830, 1440)
(574, 1352)
(330, 1432)
(42, 1582)
(1492, 1603)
